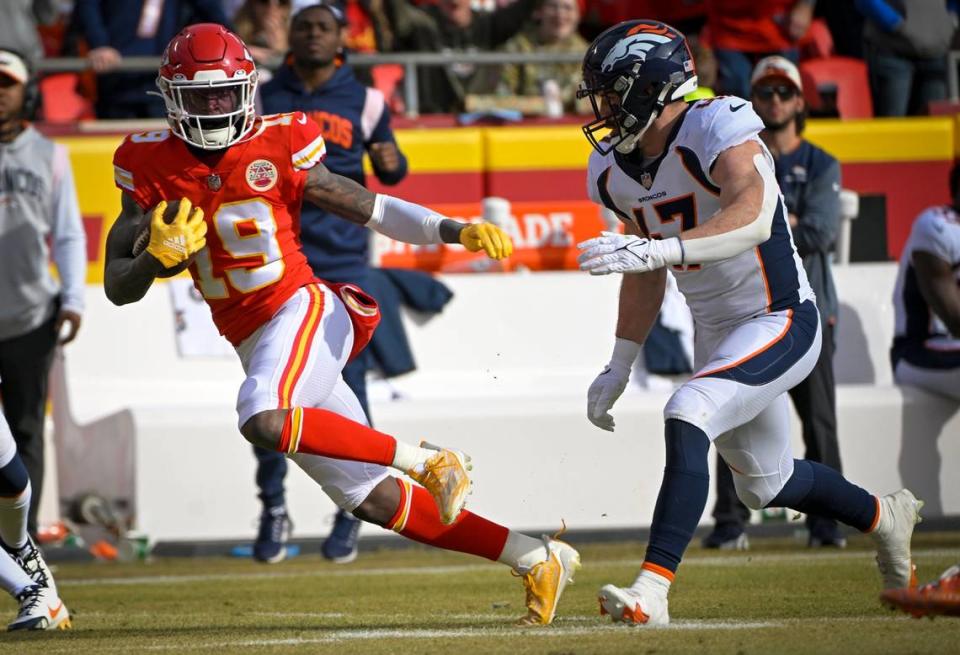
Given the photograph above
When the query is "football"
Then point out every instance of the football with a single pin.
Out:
(143, 237)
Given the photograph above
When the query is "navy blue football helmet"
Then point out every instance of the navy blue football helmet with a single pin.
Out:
(638, 66)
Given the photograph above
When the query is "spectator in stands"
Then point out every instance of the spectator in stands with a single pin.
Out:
(18, 29)
(452, 25)
(38, 206)
(706, 65)
(354, 120)
(810, 181)
(845, 23)
(906, 43)
(115, 29)
(368, 29)
(262, 24)
(553, 86)
(926, 343)
(744, 31)
(686, 15)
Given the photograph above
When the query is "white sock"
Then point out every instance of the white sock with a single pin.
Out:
(13, 579)
(521, 553)
(13, 518)
(651, 581)
(407, 456)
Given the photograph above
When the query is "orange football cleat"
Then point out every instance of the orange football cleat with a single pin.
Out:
(940, 598)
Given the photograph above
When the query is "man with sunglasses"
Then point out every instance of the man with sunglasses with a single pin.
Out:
(810, 181)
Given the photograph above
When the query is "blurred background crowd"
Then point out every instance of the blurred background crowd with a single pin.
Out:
(859, 58)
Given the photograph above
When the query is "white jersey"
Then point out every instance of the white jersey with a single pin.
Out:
(936, 231)
(675, 193)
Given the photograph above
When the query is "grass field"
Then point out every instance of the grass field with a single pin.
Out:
(776, 599)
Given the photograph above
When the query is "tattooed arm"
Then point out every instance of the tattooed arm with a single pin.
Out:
(126, 278)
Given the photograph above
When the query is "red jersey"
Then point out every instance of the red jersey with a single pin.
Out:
(251, 195)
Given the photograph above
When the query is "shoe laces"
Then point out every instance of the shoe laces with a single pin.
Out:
(345, 526)
(32, 562)
(947, 583)
(277, 521)
(29, 599)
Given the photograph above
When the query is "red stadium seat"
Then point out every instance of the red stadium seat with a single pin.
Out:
(61, 102)
(817, 42)
(386, 79)
(848, 76)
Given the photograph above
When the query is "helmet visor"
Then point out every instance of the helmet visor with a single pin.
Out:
(211, 101)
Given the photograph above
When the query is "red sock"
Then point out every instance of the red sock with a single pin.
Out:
(322, 432)
(417, 518)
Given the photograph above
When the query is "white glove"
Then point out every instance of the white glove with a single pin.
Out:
(626, 253)
(611, 382)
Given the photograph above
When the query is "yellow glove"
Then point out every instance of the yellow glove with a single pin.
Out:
(487, 237)
(176, 242)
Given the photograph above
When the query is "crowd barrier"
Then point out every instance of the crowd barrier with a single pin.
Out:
(541, 170)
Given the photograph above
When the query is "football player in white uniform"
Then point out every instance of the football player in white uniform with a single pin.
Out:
(926, 345)
(23, 573)
(695, 188)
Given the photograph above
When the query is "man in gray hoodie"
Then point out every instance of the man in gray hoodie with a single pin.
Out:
(906, 43)
(38, 209)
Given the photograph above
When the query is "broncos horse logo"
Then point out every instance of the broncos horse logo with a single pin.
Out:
(637, 43)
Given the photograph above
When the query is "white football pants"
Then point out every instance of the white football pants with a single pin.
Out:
(738, 395)
(295, 360)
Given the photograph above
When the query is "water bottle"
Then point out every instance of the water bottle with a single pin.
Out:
(551, 94)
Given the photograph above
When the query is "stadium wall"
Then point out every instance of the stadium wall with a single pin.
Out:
(514, 399)
(540, 169)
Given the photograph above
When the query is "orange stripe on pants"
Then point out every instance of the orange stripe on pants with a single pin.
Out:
(301, 346)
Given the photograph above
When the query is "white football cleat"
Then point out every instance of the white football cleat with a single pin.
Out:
(899, 512)
(40, 609)
(31, 561)
(627, 605)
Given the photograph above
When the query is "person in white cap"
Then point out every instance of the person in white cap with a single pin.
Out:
(810, 181)
(37, 201)
(38, 212)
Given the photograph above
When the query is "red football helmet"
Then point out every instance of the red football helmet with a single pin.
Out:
(208, 81)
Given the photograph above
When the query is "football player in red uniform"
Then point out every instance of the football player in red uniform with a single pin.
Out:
(240, 180)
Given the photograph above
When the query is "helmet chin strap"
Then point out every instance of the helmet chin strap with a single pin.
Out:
(629, 143)
(213, 138)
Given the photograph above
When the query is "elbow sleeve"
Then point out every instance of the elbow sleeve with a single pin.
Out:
(730, 244)
(405, 221)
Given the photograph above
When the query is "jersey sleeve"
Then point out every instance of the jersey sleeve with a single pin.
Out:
(596, 165)
(125, 175)
(727, 121)
(930, 234)
(306, 142)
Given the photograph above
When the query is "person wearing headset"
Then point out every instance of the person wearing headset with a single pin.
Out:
(38, 212)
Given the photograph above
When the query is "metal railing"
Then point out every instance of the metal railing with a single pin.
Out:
(410, 61)
(953, 75)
